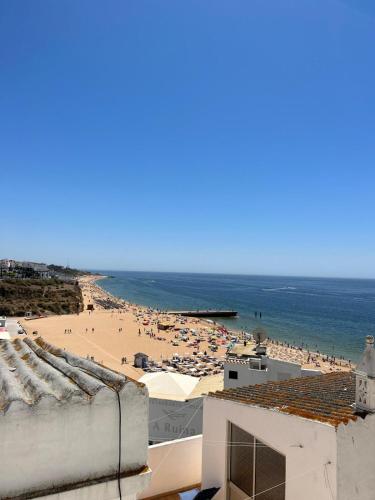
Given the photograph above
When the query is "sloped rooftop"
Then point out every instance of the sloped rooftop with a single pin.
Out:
(32, 370)
(328, 398)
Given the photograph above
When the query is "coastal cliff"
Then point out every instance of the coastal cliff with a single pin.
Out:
(39, 297)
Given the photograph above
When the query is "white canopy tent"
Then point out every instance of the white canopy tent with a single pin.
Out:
(169, 385)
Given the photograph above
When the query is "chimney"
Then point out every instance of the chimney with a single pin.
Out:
(365, 379)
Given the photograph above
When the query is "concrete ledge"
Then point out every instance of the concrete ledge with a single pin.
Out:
(105, 487)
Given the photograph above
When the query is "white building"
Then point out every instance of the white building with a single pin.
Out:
(255, 369)
(4, 264)
(176, 404)
(310, 438)
(41, 270)
(69, 428)
(7, 264)
(247, 363)
(4, 334)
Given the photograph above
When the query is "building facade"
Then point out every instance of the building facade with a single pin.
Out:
(254, 370)
(23, 269)
(297, 439)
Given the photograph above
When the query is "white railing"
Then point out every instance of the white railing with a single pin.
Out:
(175, 465)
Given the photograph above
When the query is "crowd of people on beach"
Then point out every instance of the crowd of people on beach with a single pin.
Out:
(303, 355)
(191, 333)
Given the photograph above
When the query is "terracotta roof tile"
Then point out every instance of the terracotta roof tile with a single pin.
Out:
(328, 398)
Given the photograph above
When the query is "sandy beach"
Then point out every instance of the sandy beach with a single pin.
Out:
(116, 329)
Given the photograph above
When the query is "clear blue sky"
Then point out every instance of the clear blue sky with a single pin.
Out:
(215, 136)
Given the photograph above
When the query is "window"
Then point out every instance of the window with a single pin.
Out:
(233, 374)
(241, 459)
(254, 468)
(256, 364)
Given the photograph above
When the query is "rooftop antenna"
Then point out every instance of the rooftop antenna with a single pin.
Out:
(259, 336)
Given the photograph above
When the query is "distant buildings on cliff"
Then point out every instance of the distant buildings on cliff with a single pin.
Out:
(23, 269)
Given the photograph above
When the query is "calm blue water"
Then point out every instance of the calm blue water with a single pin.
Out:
(333, 315)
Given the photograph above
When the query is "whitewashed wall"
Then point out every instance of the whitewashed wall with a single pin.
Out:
(51, 444)
(276, 370)
(356, 460)
(307, 476)
(130, 487)
(246, 376)
(282, 370)
(175, 465)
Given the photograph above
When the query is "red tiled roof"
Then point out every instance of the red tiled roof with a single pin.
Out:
(328, 398)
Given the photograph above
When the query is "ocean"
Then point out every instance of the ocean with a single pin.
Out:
(331, 315)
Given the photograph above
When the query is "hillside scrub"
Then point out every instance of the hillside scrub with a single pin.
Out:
(39, 296)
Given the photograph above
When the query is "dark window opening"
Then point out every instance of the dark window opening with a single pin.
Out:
(241, 459)
(233, 374)
(255, 468)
